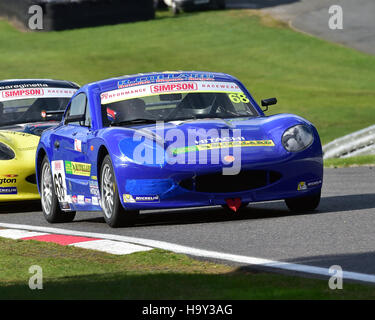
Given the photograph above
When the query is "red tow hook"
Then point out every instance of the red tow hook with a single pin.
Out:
(233, 204)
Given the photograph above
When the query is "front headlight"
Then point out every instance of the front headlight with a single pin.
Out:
(6, 153)
(297, 138)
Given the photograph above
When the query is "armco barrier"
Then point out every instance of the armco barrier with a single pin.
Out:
(70, 14)
(361, 142)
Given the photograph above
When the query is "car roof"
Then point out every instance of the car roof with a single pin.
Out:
(32, 83)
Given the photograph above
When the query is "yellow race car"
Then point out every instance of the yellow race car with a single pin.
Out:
(27, 108)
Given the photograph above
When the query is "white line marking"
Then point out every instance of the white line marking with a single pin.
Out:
(348, 275)
(18, 234)
(110, 246)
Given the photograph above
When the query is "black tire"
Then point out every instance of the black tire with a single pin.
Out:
(50, 204)
(114, 213)
(304, 204)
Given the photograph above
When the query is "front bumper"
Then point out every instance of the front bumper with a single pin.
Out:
(290, 178)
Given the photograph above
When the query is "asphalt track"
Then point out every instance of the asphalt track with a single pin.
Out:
(341, 232)
(312, 16)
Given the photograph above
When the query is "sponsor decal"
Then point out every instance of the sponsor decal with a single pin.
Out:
(182, 87)
(218, 139)
(74, 199)
(88, 200)
(22, 93)
(221, 145)
(95, 201)
(78, 168)
(77, 145)
(94, 187)
(167, 76)
(303, 185)
(8, 181)
(81, 199)
(25, 93)
(128, 198)
(24, 85)
(314, 183)
(8, 190)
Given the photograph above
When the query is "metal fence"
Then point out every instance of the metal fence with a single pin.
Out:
(358, 143)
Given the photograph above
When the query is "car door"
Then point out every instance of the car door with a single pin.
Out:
(70, 145)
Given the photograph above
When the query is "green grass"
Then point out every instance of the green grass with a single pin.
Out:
(328, 84)
(368, 160)
(74, 273)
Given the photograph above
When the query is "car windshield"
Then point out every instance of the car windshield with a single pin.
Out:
(33, 108)
(183, 103)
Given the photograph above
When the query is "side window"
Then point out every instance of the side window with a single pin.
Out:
(79, 106)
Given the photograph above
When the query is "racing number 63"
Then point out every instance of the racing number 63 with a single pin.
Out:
(59, 187)
(238, 97)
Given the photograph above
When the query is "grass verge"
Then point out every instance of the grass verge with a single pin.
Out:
(75, 273)
(368, 160)
(330, 85)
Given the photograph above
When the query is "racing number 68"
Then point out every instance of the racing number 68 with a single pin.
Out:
(238, 97)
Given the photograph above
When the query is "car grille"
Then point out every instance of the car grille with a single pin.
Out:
(219, 183)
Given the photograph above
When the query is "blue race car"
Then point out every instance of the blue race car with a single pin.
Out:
(174, 139)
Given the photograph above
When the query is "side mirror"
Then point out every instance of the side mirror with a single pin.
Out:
(75, 118)
(269, 102)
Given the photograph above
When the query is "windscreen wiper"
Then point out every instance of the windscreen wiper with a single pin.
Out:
(133, 121)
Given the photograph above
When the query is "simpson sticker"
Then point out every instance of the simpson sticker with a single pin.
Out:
(171, 87)
(34, 93)
(58, 174)
(10, 190)
(78, 168)
(221, 145)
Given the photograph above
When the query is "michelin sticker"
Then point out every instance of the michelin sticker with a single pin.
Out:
(128, 198)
